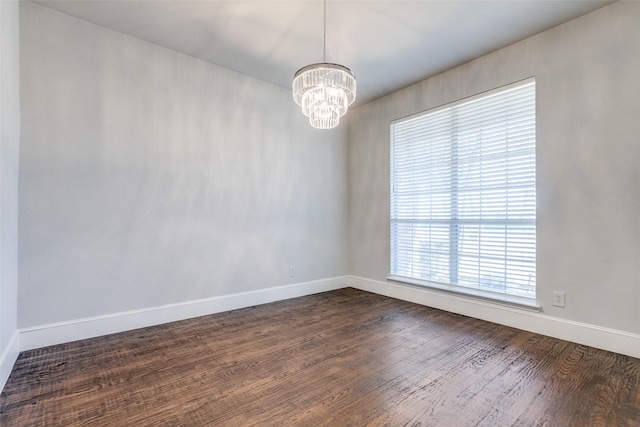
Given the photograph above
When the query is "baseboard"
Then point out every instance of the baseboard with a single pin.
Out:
(8, 358)
(582, 333)
(58, 333)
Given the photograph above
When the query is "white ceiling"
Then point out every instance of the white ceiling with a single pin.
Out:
(387, 44)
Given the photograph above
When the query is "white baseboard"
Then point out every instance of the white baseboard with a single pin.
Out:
(582, 333)
(58, 333)
(8, 358)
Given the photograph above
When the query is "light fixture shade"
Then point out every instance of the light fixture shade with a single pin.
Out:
(324, 91)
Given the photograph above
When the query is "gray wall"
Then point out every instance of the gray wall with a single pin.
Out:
(9, 143)
(148, 177)
(588, 149)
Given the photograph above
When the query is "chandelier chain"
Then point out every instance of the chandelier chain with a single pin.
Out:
(324, 36)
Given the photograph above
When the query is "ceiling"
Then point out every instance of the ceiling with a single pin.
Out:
(387, 44)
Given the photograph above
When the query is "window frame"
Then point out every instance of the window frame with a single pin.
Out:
(503, 298)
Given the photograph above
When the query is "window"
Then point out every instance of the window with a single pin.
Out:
(463, 195)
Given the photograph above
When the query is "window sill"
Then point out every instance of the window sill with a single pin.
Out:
(507, 300)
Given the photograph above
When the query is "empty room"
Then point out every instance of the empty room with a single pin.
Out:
(319, 212)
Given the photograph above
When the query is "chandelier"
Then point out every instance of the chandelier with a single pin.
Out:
(324, 91)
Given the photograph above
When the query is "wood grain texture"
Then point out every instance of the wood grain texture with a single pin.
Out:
(341, 358)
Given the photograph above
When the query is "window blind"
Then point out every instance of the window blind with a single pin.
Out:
(463, 195)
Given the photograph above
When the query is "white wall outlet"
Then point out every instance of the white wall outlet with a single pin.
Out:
(291, 271)
(558, 299)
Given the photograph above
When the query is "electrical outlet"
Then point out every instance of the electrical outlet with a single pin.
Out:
(558, 299)
(291, 271)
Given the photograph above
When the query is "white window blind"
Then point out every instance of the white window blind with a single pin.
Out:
(463, 194)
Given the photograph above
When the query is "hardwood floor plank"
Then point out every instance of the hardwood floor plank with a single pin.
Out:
(344, 357)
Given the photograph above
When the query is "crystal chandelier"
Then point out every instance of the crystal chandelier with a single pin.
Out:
(324, 91)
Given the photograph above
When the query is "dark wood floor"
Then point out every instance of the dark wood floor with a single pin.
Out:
(342, 358)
